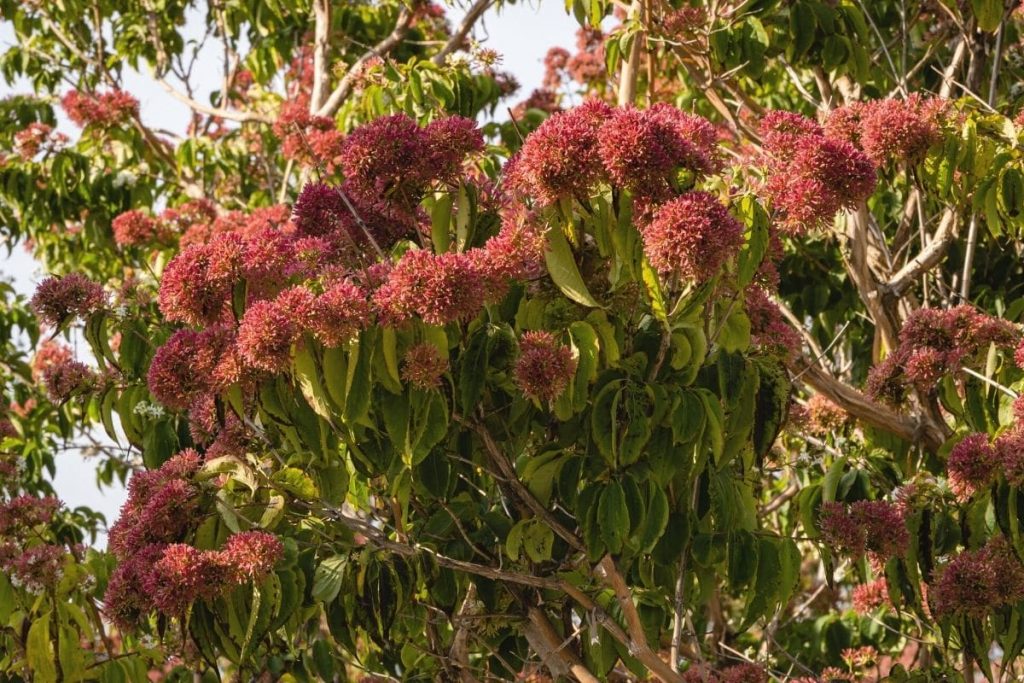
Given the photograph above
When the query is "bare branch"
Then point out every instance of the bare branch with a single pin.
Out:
(344, 89)
(220, 112)
(473, 15)
(927, 258)
(322, 27)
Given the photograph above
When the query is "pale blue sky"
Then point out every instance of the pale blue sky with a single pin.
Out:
(522, 33)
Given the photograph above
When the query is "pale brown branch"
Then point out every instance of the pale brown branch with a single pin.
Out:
(458, 37)
(321, 32)
(927, 258)
(219, 112)
(344, 88)
(560, 660)
(631, 67)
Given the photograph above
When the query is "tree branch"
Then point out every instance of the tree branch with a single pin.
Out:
(473, 15)
(219, 112)
(560, 660)
(322, 27)
(927, 258)
(344, 89)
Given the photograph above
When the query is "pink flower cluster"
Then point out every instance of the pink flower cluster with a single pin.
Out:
(690, 237)
(890, 129)
(934, 343)
(867, 597)
(738, 673)
(193, 364)
(29, 561)
(811, 177)
(135, 228)
(825, 417)
(976, 582)
(102, 110)
(874, 527)
(58, 299)
(50, 353)
(157, 570)
(643, 150)
(26, 512)
(545, 367)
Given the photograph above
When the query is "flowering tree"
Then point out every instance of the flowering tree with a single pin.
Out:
(711, 377)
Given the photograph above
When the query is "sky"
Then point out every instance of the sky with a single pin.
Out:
(521, 33)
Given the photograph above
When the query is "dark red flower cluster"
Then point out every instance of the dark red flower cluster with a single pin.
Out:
(167, 578)
(769, 329)
(811, 177)
(160, 508)
(890, 130)
(35, 568)
(390, 162)
(58, 299)
(25, 512)
(307, 139)
(68, 379)
(738, 673)
(134, 228)
(972, 466)
(423, 366)
(934, 343)
(691, 237)
(37, 137)
(103, 110)
(545, 367)
(976, 582)
(874, 527)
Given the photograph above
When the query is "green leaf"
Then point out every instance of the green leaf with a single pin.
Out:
(295, 482)
(538, 541)
(988, 13)
(734, 335)
(358, 381)
(831, 481)
(656, 520)
(613, 517)
(564, 273)
(307, 373)
(39, 651)
(440, 223)
(328, 577)
(766, 586)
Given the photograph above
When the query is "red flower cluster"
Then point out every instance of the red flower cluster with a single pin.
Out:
(307, 139)
(545, 367)
(811, 177)
(36, 137)
(270, 327)
(934, 343)
(196, 284)
(340, 313)
(26, 512)
(867, 526)
(890, 130)
(976, 582)
(134, 228)
(34, 568)
(58, 299)
(423, 366)
(691, 237)
(972, 466)
(643, 150)
(104, 110)
(739, 673)
(561, 157)
(769, 329)
(68, 379)
(390, 162)
(438, 288)
(867, 597)
(191, 364)
(160, 507)
(169, 577)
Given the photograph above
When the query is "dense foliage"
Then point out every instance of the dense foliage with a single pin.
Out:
(712, 376)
